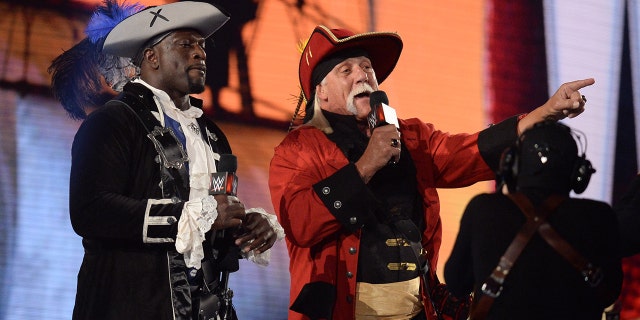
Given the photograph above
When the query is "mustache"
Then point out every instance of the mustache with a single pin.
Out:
(363, 88)
(360, 89)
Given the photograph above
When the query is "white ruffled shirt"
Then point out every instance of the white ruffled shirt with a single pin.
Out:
(199, 212)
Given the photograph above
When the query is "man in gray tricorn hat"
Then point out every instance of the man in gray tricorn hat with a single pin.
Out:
(141, 176)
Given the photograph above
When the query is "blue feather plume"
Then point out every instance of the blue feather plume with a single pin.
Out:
(106, 17)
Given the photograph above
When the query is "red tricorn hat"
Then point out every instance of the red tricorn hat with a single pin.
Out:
(383, 49)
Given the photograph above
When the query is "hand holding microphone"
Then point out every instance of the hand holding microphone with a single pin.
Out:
(255, 232)
(224, 187)
(384, 142)
(381, 113)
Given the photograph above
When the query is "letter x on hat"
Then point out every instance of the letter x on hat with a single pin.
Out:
(132, 33)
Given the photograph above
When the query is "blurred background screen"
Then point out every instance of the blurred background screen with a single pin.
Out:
(465, 64)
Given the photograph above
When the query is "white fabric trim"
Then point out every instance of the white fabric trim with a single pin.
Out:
(154, 221)
(201, 157)
(199, 213)
(197, 218)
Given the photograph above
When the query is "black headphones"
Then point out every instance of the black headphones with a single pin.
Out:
(580, 176)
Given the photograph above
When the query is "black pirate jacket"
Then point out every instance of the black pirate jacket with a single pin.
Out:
(128, 225)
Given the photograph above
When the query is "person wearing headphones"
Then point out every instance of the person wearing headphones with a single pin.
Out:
(529, 250)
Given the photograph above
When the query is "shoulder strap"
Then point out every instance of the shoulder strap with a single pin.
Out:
(169, 148)
(592, 274)
(492, 287)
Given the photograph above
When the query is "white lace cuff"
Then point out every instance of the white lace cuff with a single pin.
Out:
(196, 219)
(263, 258)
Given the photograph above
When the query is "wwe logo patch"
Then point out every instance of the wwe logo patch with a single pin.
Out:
(218, 184)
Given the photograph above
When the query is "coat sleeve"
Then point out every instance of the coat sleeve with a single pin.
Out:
(114, 190)
(493, 140)
(446, 160)
(314, 189)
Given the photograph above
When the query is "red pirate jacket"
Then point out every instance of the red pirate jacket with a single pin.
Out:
(322, 202)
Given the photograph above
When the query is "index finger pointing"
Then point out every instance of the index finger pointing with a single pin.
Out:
(579, 84)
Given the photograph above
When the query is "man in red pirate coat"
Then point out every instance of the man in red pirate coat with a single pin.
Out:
(359, 203)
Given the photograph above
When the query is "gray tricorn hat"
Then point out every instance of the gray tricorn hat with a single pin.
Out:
(128, 37)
